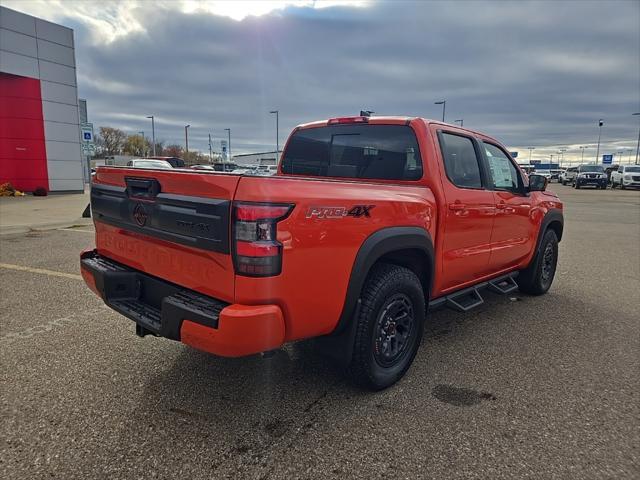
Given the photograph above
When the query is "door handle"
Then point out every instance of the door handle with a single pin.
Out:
(501, 206)
(457, 206)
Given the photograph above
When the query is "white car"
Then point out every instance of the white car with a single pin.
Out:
(626, 176)
(149, 163)
(545, 173)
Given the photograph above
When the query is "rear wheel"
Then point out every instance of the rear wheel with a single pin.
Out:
(538, 277)
(389, 326)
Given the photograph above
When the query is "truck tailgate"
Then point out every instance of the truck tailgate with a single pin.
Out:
(172, 225)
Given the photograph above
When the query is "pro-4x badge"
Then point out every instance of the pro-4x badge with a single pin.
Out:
(356, 211)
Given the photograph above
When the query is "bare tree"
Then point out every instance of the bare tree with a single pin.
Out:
(111, 140)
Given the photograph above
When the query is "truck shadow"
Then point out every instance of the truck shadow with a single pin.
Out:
(241, 411)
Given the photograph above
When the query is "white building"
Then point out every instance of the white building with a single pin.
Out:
(39, 123)
(250, 159)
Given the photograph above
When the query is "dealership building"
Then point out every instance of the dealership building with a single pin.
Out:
(39, 121)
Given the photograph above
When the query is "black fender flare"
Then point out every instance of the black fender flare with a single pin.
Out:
(552, 215)
(339, 343)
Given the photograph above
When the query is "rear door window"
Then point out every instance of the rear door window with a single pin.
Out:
(460, 160)
(388, 152)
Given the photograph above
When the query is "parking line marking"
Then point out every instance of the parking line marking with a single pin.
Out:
(42, 271)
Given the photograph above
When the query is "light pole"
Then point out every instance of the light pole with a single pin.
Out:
(277, 140)
(210, 150)
(530, 149)
(600, 124)
(561, 152)
(638, 146)
(153, 133)
(461, 120)
(582, 156)
(229, 146)
(444, 106)
(186, 138)
(143, 145)
(619, 153)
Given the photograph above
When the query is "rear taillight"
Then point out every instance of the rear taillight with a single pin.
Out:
(257, 252)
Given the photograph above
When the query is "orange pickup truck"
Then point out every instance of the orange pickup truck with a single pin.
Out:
(369, 223)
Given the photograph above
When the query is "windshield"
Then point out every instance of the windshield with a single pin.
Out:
(631, 169)
(591, 168)
(354, 151)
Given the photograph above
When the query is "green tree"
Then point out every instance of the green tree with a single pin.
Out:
(137, 146)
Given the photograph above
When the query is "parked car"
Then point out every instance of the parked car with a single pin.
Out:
(545, 173)
(626, 176)
(561, 175)
(175, 162)
(569, 174)
(148, 163)
(555, 174)
(370, 222)
(202, 167)
(590, 175)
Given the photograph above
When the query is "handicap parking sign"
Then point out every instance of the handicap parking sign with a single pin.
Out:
(87, 136)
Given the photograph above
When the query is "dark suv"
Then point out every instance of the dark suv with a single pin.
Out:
(590, 175)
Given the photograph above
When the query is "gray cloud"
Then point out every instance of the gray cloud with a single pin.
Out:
(538, 74)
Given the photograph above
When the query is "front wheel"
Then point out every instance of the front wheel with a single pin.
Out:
(537, 278)
(622, 187)
(389, 326)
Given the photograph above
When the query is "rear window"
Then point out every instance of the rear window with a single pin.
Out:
(387, 152)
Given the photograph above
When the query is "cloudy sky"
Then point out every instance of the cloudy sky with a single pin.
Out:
(529, 73)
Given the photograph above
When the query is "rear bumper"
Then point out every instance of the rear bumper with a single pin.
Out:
(168, 310)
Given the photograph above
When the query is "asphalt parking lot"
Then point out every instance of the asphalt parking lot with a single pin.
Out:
(523, 387)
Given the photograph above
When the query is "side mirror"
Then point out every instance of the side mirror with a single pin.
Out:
(537, 183)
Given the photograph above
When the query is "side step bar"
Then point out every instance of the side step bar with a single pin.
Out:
(469, 298)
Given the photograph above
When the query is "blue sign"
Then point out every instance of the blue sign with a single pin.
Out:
(87, 136)
(514, 154)
(607, 159)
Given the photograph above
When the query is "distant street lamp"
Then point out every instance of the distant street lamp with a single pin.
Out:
(228, 130)
(444, 106)
(277, 133)
(461, 120)
(153, 134)
(638, 146)
(530, 149)
(186, 138)
(600, 124)
(582, 156)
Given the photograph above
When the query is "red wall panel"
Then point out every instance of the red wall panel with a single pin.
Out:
(16, 107)
(21, 87)
(18, 149)
(23, 159)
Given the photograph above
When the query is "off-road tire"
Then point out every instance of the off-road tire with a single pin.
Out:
(385, 286)
(537, 278)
